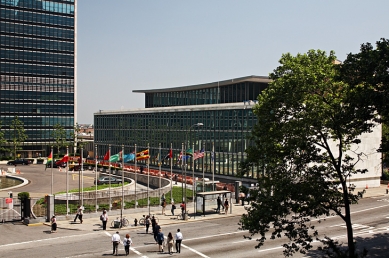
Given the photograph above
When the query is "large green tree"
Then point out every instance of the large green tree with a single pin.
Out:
(368, 71)
(18, 134)
(305, 133)
(3, 141)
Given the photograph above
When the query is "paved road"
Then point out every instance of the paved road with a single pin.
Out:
(218, 237)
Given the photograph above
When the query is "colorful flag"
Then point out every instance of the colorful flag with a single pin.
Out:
(198, 155)
(169, 155)
(142, 155)
(65, 159)
(189, 152)
(106, 156)
(129, 157)
(114, 158)
(50, 157)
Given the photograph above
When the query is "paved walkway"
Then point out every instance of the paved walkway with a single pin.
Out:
(93, 223)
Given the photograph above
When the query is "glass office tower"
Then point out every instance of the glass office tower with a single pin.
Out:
(215, 117)
(37, 69)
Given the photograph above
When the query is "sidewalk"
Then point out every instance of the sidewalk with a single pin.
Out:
(93, 223)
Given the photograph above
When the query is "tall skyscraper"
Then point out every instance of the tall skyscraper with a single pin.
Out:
(37, 70)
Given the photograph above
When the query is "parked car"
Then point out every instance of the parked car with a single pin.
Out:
(56, 164)
(19, 162)
(105, 180)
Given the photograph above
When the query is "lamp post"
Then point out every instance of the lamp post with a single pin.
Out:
(52, 176)
(185, 148)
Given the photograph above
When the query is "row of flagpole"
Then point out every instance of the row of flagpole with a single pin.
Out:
(65, 159)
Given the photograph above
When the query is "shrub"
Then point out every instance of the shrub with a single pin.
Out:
(23, 195)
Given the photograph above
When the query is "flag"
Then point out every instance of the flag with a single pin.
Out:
(142, 155)
(129, 157)
(65, 159)
(50, 157)
(114, 158)
(106, 156)
(198, 155)
(169, 155)
(189, 152)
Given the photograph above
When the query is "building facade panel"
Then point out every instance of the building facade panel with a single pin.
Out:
(37, 69)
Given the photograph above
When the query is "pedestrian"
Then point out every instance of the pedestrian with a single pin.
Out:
(242, 197)
(141, 169)
(163, 197)
(156, 231)
(163, 204)
(170, 242)
(153, 221)
(53, 224)
(79, 214)
(219, 204)
(179, 238)
(115, 243)
(127, 242)
(147, 223)
(183, 208)
(226, 205)
(173, 208)
(160, 238)
(175, 178)
(75, 218)
(104, 219)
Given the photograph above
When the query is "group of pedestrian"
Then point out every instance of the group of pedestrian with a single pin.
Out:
(127, 242)
(160, 239)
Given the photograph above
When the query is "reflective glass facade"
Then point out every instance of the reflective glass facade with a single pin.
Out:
(224, 131)
(37, 69)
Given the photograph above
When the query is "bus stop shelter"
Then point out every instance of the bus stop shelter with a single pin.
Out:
(202, 197)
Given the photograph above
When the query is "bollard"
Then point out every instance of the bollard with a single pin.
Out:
(136, 222)
(387, 191)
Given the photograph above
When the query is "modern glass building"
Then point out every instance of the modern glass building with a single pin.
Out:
(37, 69)
(214, 117)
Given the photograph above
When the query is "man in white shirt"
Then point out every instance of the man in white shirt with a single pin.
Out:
(115, 242)
(179, 238)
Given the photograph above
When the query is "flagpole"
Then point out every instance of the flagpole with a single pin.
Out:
(203, 167)
(96, 177)
(52, 176)
(212, 166)
(67, 181)
(109, 174)
(148, 178)
(182, 167)
(82, 176)
(159, 165)
(122, 206)
(193, 182)
(136, 201)
(171, 172)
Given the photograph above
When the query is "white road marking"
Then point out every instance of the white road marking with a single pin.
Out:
(195, 251)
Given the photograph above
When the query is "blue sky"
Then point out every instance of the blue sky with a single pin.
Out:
(126, 45)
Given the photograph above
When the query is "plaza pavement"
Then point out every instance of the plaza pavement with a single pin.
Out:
(91, 221)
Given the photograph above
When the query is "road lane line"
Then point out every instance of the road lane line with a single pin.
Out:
(45, 239)
(195, 251)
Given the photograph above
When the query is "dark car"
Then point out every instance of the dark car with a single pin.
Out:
(56, 164)
(19, 162)
(105, 180)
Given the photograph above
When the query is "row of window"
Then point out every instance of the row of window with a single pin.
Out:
(38, 18)
(36, 70)
(36, 44)
(35, 135)
(40, 121)
(24, 108)
(36, 96)
(224, 94)
(35, 30)
(36, 57)
(50, 6)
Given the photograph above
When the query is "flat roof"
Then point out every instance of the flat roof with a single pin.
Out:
(213, 192)
(251, 78)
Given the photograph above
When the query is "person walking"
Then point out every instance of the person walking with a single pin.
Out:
(183, 208)
(170, 242)
(79, 213)
(104, 219)
(75, 218)
(163, 206)
(147, 223)
(153, 221)
(160, 238)
(173, 208)
(219, 204)
(226, 206)
(115, 243)
(127, 242)
(156, 231)
(179, 238)
(53, 224)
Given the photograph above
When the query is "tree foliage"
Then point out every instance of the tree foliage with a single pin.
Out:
(59, 135)
(306, 141)
(3, 141)
(18, 134)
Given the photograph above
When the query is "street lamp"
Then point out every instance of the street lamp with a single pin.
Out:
(185, 148)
